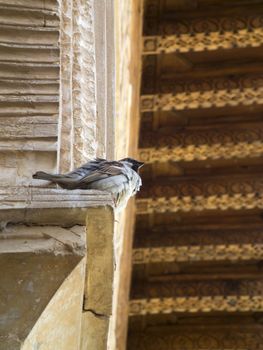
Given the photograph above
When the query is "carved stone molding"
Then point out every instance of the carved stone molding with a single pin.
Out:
(196, 304)
(224, 252)
(50, 206)
(43, 239)
(208, 99)
(199, 203)
(78, 84)
(202, 41)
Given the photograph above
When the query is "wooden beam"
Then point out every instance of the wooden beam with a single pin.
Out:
(216, 20)
(199, 203)
(197, 187)
(202, 152)
(197, 99)
(233, 252)
(202, 41)
(197, 337)
(221, 233)
(201, 143)
(219, 303)
(198, 285)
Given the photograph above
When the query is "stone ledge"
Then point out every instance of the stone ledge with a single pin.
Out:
(43, 240)
(39, 205)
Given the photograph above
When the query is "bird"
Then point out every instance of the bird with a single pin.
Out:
(120, 178)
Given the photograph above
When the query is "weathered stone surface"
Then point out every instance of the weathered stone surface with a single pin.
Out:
(94, 331)
(77, 140)
(29, 88)
(27, 287)
(48, 205)
(43, 239)
(59, 325)
(128, 23)
(100, 260)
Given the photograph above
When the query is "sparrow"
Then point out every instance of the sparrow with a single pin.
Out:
(120, 178)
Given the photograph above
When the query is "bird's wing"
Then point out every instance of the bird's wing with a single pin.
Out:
(103, 170)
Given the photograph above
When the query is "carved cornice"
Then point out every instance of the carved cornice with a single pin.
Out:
(218, 303)
(202, 41)
(224, 252)
(199, 203)
(196, 99)
(187, 154)
(50, 206)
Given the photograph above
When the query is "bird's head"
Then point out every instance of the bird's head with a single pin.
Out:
(133, 163)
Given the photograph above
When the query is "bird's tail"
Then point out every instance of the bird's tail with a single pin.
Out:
(45, 176)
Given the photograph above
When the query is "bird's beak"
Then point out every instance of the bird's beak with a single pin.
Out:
(140, 164)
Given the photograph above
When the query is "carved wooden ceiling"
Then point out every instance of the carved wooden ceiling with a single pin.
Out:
(198, 245)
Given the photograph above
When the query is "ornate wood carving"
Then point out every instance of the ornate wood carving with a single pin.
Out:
(218, 303)
(224, 252)
(203, 338)
(170, 236)
(199, 203)
(205, 186)
(209, 25)
(203, 136)
(197, 99)
(202, 144)
(189, 286)
(202, 152)
(178, 85)
(202, 41)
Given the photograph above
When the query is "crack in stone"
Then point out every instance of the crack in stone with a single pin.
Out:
(97, 314)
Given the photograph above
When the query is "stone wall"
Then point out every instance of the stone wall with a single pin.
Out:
(128, 22)
(51, 119)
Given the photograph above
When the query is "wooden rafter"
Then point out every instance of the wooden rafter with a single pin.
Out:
(196, 304)
(202, 41)
(233, 252)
